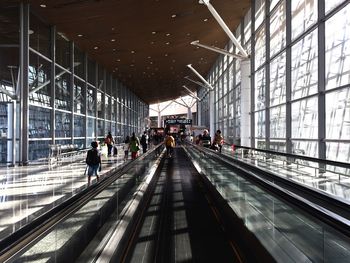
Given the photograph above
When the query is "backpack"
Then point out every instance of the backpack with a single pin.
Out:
(92, 157)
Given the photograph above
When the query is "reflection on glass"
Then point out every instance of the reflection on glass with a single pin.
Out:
(90, 128)
(39, 122)
(278, 122)
(39, 36)
(91, 106)
(79, 126)
(39, 80)
(260, 47)
(100, 128)
(304, 14)
(338, 151)
(63, 124)
(305, 66)
(329, 5)
(338, 114)
(79, 96)
(305, 119)
(260, 86)
(259, 12)
(308, 148)
(338, 49)
(260, 124)
(278, 29)
(100, 104)
(63, 90)
(278, 80)
(38, 149)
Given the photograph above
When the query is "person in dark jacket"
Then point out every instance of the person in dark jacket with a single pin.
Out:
(93, 160)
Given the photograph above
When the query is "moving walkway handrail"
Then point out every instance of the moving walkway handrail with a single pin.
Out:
(296, 156)
(14, 243)
(324, 214)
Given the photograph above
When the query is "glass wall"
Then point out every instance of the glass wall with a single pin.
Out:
(297, 106)
(67, 104)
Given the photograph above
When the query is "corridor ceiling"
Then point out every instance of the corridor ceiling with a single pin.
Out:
(145, 43)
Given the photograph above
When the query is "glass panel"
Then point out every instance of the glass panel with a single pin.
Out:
(278, 145)
(305, 66)
(38, 149)
(304, 14)
(338, 115)
(260, 124)
(308, 148)
(79, 126)
(91, 72)
(329, 5)
(39, 122)
(39, 36)
(63, 90)
(90, 128)
(273, 3)
(9, 64)
(278, 122)
(338, 151)
(238, 71)
(9, 24)
(62, 50)
(80, 143)
(39, 80)
(79, 96)
(79, 59)
(259, 12)
(100, 104)
(100, 128)
(305, 119)
(91, 106)
(338, 49)
(278, 80)
(260, 96)
(63, 124)
(260, 47)
(278, 29)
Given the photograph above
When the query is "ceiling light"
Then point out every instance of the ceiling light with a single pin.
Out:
(112, 40)
(113, 28)
(188, 34)
(118, 59)
(151, 62)
(173, 16)
(152, 43)
(167, 43)
(132, 51)
(205, 19)
(149, 57)
(80, 35)
(173, 60)
(95, 47)
(114, 50)
(167, 34)
(166, 55)
(132, 65)
(154, 32)
(43, 5)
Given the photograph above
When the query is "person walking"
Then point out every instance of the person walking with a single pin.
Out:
(109, 142)
(134, 146)
(93, 160)
(205, 139)
(144, 141)
(126, 147)
(218, 140)
(169, 144)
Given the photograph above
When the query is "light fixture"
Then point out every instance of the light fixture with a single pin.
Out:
(118, 59)
(154, 32)
(43, 5)
(205, 19)
(132, 65)
(149, 57)
(166, 55)
(167, 34)
(174, 15)
(80, 35)
(167, 43)
(132, 51)
(112, 40)
(114, 50)
(96, 47)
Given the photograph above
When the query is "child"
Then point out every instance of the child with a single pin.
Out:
(93, 160)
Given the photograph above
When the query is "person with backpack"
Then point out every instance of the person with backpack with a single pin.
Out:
(93, 160)
(169, 144)
(109, 142)
(134, 146)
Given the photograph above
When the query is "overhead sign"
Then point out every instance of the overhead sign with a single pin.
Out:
(178, 121)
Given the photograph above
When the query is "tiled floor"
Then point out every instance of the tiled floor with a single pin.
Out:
(27, 192)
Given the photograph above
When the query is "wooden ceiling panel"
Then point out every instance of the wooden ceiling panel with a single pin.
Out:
(145, 43)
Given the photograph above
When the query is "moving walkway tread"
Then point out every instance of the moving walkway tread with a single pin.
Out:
(181, 222)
